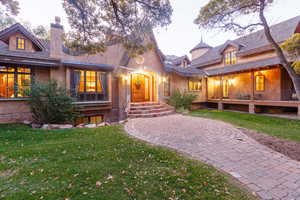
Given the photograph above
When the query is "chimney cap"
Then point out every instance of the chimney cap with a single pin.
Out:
(57, 20)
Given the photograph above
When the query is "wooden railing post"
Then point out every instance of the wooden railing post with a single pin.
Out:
(252, 85)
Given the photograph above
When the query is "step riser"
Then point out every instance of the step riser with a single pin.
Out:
(147, 108)
(150, 115)
(149, 111)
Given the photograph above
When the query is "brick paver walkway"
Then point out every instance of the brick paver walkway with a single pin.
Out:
(269, 174)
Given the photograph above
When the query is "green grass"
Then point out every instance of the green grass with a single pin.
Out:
(278, 127)
(67, 164)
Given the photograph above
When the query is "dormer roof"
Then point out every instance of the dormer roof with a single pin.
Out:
(229, 43)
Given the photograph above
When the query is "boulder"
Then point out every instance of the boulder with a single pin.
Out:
(61, 126)
(26, 122)
(90, 126)
(101, 124)
(45, 126)
(33, 125)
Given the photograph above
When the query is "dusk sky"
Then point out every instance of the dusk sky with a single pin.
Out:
(178, 38)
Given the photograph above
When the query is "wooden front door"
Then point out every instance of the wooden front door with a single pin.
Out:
(140, 88)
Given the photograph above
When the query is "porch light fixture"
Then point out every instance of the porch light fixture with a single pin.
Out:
(232, 81)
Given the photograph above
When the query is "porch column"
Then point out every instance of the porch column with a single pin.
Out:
(221, 87)
(220, 106)
(251, 108)
(299, 111)
(252, 85)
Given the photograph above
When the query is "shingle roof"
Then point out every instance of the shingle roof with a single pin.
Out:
(252, 43)
(87, 65)
(201, 45)
(184, 71)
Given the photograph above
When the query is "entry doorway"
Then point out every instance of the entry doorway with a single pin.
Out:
(140, 87)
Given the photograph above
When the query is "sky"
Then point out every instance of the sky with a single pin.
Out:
(179, 37)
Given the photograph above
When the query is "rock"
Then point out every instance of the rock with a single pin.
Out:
(26, 122)
(33, 125)
(80, 126)
(61, 126)
(90, 126)
(101, 124)
(45, 127)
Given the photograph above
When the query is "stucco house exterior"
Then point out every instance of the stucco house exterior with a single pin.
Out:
(242, 74)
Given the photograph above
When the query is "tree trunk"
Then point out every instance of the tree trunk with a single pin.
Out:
(283, 61)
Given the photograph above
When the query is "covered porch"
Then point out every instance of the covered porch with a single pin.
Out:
(265, 89)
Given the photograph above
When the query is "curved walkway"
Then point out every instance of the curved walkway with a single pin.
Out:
(269, 174)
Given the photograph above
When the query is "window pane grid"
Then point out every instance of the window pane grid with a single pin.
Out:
(195, 85)
(14, 81)
(20, 43)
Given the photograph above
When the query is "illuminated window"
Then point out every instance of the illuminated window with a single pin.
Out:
(195, 85)
(230, 58)
(167, 86)
(89, 85)
(225, 88)
(21, 43)
(14, 82)
(89, 120)
(260, 83)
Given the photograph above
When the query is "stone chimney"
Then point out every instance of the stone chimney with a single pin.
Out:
(56, 36)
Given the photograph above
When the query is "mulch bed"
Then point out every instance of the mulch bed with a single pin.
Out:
(286, 147)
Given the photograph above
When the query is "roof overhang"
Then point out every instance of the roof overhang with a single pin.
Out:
(86, 65)
(27, 61)
(244, 67)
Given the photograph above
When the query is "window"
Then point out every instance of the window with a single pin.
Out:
(230, 58)
(195, 85)
(89, 85)
(14, 81)
(225, 88)
(21, 43)
(260, 83)
(89, 120)
(167, 86)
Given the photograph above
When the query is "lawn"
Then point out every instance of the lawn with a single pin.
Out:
(278, 127)
(104, 164)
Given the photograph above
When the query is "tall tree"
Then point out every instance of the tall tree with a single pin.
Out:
(226, 15)
(292, 46)
(94, 23)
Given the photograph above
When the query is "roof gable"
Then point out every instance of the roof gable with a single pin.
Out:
(229, 43)
(6, 33)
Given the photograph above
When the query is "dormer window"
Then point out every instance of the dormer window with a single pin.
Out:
(21, 43)
(230, 58)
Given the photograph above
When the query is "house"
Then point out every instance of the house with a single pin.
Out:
(242, 74)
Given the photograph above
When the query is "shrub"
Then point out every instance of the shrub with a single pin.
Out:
(182, 100)
(51, 104)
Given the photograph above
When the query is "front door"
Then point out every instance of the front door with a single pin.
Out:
(140, 88)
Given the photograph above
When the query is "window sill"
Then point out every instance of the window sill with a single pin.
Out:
(13, 99)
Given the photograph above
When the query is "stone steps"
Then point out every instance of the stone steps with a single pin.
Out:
(149, 109)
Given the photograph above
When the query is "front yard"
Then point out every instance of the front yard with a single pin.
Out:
(101, 163)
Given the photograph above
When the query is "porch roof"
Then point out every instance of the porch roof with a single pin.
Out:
(243, 66)
(184, 71)
(87, 65)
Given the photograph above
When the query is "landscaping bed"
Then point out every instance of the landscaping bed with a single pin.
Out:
(101, 163)
(281, 135)
(284, 146)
